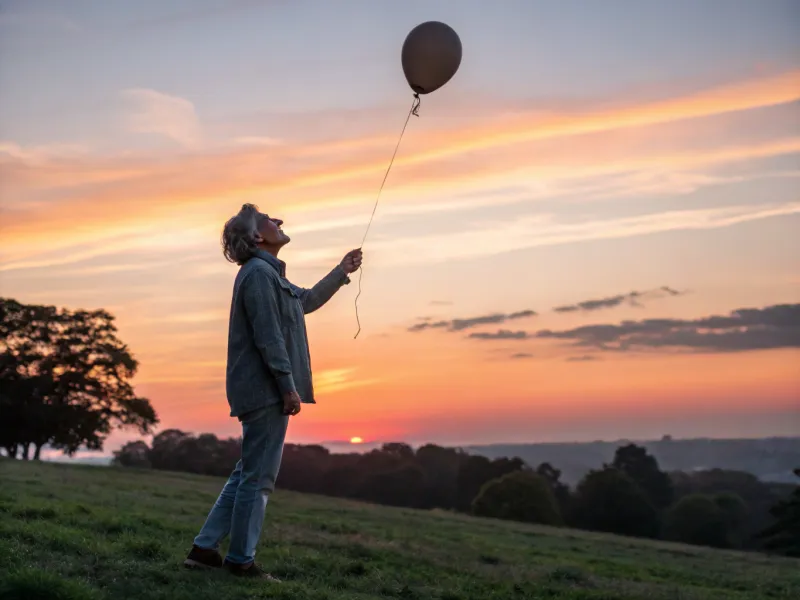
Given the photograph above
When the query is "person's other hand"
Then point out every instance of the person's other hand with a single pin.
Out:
(351, 261)
(291, 403)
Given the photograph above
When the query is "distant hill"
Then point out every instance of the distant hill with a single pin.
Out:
(770, 459)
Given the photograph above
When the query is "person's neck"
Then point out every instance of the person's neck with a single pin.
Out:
(269, 249)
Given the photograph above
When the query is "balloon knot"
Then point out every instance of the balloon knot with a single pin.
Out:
(415, 107)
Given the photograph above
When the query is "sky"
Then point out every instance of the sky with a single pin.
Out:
(589, 233)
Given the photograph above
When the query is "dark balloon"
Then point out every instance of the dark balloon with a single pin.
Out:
(431, 56)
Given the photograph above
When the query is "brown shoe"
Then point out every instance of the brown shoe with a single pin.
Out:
(203, 558)
(250, 569)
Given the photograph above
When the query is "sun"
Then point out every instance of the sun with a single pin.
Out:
(356, 440)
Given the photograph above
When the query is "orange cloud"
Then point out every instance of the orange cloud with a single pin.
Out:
(91, 193)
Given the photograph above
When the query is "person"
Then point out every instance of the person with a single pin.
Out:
(268, 378)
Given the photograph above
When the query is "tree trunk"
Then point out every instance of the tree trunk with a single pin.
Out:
(37, 451)
(25, 448)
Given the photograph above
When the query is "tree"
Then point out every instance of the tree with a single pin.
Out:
(697, 519)
(66, 379)
(560, 490)
(25, 337)
(609, 500)
(400, 486)
(475, 470)
(518, 496)
(133, 454)
(164, 450)
(440, 466)
(783, 536)
(758, 496)
(643, 468)
(735, 511)
(399, 450)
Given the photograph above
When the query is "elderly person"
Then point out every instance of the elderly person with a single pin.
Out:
(268, 377)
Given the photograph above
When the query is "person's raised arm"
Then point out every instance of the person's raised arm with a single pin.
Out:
(317, 296)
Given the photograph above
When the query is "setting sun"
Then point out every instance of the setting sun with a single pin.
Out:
(356, 440)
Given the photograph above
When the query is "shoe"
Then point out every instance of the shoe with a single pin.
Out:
(250, 569)
(203, 558)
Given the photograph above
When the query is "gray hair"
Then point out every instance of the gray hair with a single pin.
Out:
(239, 235)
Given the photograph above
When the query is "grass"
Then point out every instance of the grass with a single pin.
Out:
(84, 533)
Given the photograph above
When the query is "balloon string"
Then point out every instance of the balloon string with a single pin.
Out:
(414, 111)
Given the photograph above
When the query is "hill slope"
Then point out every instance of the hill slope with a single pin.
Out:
(80, 532)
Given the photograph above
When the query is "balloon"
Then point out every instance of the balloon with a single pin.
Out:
(431, 56)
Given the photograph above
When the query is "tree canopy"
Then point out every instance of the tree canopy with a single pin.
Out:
(65, 378)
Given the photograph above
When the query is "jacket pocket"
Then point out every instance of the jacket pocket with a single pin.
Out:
(291, 309)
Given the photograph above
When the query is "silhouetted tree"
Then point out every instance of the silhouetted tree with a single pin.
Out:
(518, 496)
(398, 487)
(400, 451)
(304, 469)
(643, 468)
(475, 470)
(735, 511)
(164, 450)
(784, 535)
(66, 379)
(758, 496)
(609, 500)
(697, 519)
(560, 490)
(133, 454)
(441, 467)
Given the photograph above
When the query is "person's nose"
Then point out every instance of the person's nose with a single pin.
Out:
(278, 222)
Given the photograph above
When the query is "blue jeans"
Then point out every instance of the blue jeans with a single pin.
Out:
(239, 509)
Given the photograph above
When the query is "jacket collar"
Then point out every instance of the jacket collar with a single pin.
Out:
(274, 262)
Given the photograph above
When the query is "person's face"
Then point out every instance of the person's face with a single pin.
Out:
(272, 236)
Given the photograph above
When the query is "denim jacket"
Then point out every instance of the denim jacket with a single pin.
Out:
(268, 352)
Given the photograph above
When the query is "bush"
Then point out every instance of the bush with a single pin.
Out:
(697, 519)
(609, 500)
(518, 496)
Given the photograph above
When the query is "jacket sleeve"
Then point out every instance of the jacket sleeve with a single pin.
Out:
(317, 296)
(261, 305)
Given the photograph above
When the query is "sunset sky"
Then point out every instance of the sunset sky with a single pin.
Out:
(561, 249)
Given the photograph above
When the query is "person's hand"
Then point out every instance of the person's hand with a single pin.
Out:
(351, 261)
(291, 403)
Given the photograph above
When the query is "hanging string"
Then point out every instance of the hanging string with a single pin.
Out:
(414, 111)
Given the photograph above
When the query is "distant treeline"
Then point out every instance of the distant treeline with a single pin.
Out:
(769, 459)
(630, 495)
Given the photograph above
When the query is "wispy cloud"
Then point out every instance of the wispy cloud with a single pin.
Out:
(151, 111)
(253, 140)
(41, 154)
(461, 324)
(633, 298)
(502, 334)
(743, 329)
(340, 172)
(546, 230)
(331, 381)
(83, 192)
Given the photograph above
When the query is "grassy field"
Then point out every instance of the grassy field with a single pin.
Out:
(79, 532)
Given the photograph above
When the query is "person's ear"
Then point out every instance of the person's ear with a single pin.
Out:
(258, 238)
